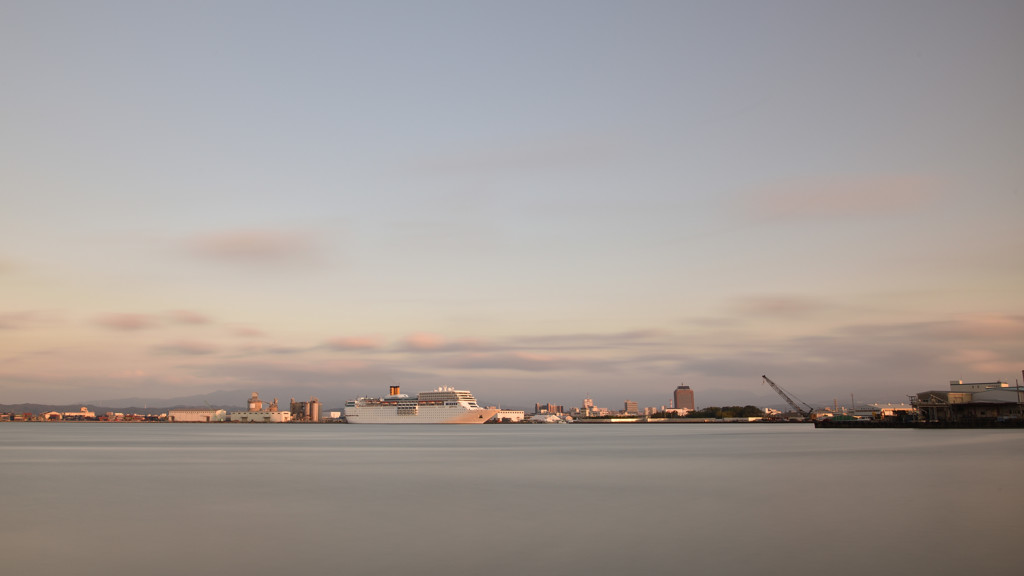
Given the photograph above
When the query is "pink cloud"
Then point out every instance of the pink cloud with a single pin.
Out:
(525, 361)
(779, 306)
(189, 317)
(347, 365)
(126, 322)
(431, 342)
(246, 332)
(253, 246)
(840, 197)
(424, 341)
(354, 343)
(988, 327)
(597, 340)
(185, 347)
(986, 361)
(23, 320)
(275, 350)
(128, 374)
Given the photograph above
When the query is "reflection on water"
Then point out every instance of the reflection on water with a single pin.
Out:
(550, 499)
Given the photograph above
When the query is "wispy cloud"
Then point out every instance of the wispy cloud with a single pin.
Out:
(253, 246)
(248, 332)
(841, 197)
(526, 361)
(188, 317)
(24, 320)
(777, 306)
(353, 343)
(987, 361)
(593, 340)
(185, 348)
(128, 374)
(275, 350)
(553, 152)
(424, 341)
(126, 322)
(278, 373)
(987, 327)
(431, 342)
(29, 356)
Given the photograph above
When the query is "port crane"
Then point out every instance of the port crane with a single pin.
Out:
(789, 400)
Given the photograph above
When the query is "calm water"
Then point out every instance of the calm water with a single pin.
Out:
(515, 499)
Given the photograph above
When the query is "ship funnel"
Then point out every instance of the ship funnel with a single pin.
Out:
(396, 390)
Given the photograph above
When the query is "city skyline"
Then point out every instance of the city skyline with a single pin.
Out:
(535, 201)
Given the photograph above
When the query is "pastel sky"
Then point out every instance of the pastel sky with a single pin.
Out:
(536, 201)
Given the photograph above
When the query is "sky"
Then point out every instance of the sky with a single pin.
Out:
(535, 201)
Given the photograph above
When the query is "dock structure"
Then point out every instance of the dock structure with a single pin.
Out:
(971, 403)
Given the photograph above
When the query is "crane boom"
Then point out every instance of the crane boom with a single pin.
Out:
(790, 401)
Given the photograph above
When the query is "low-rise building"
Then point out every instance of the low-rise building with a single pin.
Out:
(260, 416)
(967, 403)
(960, 386)
(197, 415)
(82, 414)
(510, 416)
(890, 410)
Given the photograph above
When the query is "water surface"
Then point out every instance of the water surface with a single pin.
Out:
(92, 498)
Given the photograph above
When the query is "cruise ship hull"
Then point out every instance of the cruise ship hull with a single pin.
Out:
(424, 415)
(445, 405)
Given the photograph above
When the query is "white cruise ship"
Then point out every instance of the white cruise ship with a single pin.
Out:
(442, 406)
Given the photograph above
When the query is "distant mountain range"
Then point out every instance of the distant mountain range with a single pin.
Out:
(100, 410)
(233, 398)
(220, 400)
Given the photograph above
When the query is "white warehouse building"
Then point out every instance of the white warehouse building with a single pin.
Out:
(261, 416)
(197, 415)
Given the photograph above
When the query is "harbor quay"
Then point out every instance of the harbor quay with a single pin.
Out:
(983, 404)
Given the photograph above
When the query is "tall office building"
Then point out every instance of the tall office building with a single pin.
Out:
(682, 398)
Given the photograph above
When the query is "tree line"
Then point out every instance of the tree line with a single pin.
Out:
(718, 412)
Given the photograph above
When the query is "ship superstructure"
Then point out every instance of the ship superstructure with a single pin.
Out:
(444, 405)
